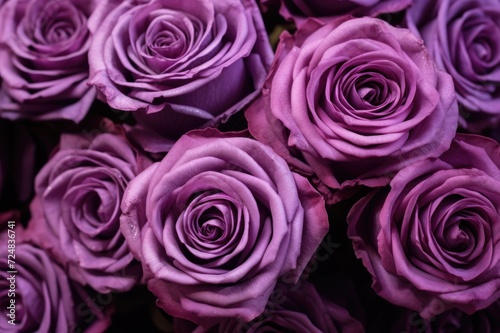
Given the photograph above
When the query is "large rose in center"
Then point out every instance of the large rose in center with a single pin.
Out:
(179, 64)
(217, 222)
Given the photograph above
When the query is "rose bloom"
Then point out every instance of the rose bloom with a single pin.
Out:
(463, 38)
(431, 239)
(46, 300)
(299, 10)
(217, 222)
(43, 52)
(356, 100)
(77, 209)
(179, 64)
(298, 308)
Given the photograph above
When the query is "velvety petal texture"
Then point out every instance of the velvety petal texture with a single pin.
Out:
(431, 239)
(46, 300)
(300, 10)
(356, 99)
(43, 52)
(463, 37)
(179, 65)
(217, 222)
(77, 209)
(299, 308)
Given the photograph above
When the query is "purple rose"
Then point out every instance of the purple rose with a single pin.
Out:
(299, 308)
(356, 100)
(77, 209)
(463, 38)
(43, 52)
(299, 10)
(217, 222)
(45, 300)
(431, 239)
(179, 64)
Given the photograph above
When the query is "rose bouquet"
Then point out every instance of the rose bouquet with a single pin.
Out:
(249, 166)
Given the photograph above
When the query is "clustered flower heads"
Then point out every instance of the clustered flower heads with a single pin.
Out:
(165, 167)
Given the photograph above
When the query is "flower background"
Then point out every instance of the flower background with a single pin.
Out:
(250, 166)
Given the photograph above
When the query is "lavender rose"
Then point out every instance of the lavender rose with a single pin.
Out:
(43, 52)
(463, 37)
(217, 222)
(431, 239)
(298, 309)
(358, 99)
(77, 209)
(179, 64)
(299, 10)
(45, 299)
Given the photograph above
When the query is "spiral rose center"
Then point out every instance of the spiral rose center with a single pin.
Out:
(482, 48)
(458, 236)
(211, 228)
(209, 218)
(54, 23)
(167, 40)
(370, 91)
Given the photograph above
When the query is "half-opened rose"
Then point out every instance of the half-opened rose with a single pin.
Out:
(358, 99)
(46, 300)
(77, 209)
(431, 239)
(43, 52)
(300, 10)
(179, 64)
(217, 222)
(463, 38)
